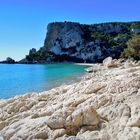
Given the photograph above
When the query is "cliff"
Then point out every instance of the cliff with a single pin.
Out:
(74, 42)
(105, 105)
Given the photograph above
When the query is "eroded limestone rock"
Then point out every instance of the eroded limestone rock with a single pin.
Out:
(103, 106)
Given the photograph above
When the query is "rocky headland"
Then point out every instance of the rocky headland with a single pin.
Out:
(82, 43)
(75, 42)
(104, 105)
(8, 61)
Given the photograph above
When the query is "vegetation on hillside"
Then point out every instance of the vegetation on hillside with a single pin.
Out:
(39, 55)
(133, 49)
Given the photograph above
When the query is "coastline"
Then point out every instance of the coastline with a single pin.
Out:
(84, 64)
(97, 106)
(45, 78)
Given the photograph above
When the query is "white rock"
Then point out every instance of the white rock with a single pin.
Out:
(104, 106)
(108, 62)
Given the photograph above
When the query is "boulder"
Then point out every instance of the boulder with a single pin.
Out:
(87, 116)
(2, 124)
(108, 62)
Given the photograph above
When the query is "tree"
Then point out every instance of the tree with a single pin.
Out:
(133, 50)
(32, 51)
(134, 43)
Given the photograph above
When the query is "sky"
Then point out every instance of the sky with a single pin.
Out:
(23, 23)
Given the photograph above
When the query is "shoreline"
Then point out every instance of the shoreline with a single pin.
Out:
(85, 64)
(70, 83)
(72, 78)
(97, 106)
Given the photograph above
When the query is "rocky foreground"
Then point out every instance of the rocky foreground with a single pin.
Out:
(105, 105)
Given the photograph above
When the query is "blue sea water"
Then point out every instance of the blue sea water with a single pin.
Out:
(16, 79)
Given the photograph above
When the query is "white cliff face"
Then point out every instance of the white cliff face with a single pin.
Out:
(80, 43)
(56, 49)
(109, 28)
(71, 38)
(135, 30)
(104, 105)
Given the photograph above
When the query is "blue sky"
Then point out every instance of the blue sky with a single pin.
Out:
(23, 23)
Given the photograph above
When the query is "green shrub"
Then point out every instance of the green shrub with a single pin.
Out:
(133, 50)
(135, 25)
(134, 43)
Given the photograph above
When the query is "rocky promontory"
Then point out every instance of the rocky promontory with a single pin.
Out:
(104, 105)
(75, 42)
(8, 61)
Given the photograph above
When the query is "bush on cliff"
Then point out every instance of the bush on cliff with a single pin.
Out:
(133, 50)
(38, 56)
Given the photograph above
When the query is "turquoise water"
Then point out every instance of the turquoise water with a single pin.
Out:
(16, 79)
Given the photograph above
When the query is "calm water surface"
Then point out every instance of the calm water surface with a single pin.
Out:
(18, 79)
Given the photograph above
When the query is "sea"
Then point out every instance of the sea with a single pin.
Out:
(18, 79)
